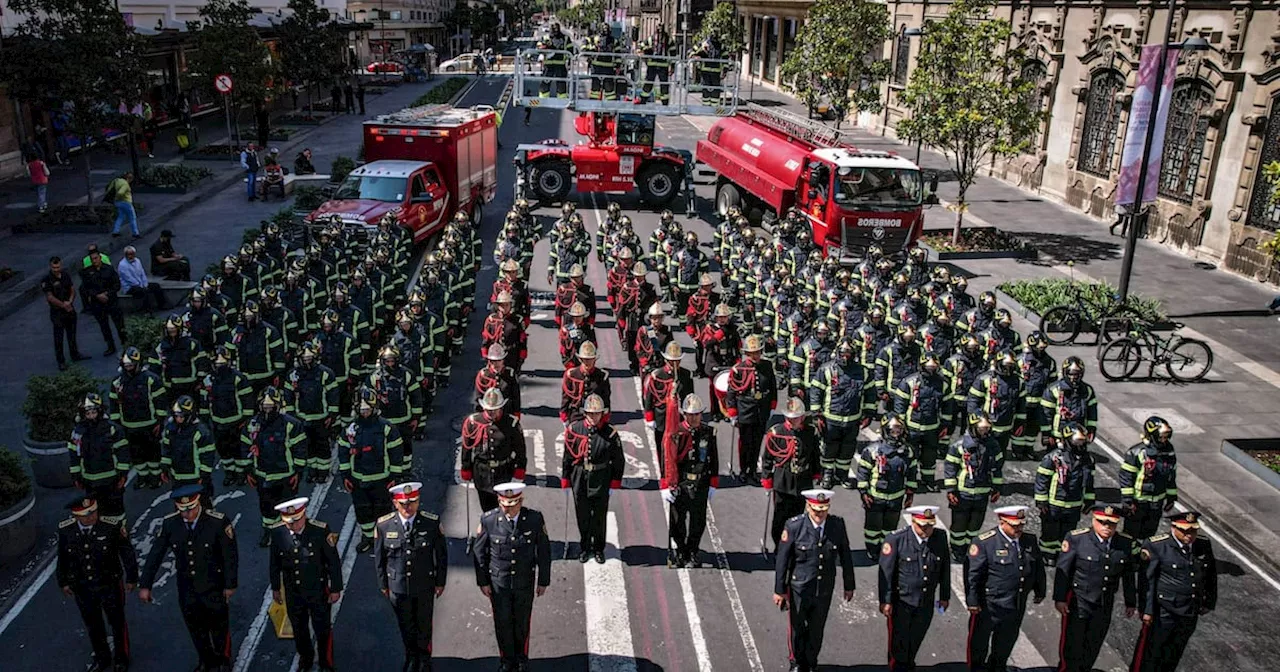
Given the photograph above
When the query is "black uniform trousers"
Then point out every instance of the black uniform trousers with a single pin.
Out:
(688, 519)
(750, 438)
(1082, 637)
(406, 440)
(106, 315)
(310, 616)
(1163, 642)
(659, 433)
(1054, 528)
(488, 500)
(93, 604)
(927, 444)
(966, 521)
(109, 495)
(144, 449)
(413, 615)
(881, 518)
(806, 624)
(592, 514)
(226, 438)
(319, 452)
(907, 628)
(64, 328)
(785, 506)
(271, 493)
(840, 445)
(992, 634)
(208, 621)
(512, 611)
(1144, 522)
(371, 501)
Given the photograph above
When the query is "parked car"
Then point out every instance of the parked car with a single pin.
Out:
(384, 67)
(463, 63)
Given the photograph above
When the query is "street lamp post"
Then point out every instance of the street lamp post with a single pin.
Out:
(916, 32)
(1139, 215)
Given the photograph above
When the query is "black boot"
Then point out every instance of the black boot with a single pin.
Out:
(584, 556)
(691, 559)
(828, 479)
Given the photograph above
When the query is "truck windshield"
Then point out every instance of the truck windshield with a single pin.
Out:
(862, 187)
(369, 188)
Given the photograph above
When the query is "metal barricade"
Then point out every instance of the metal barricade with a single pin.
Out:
(542, 78)
(710, 87)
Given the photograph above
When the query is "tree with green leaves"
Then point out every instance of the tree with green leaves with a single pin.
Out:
(79, 57)
(1272, 171)
(967, 96)
(311, 46)
(225, 43)
(841, 65)
(723, 26)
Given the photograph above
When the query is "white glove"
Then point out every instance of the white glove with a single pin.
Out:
(668, 496)
(651, 424)
(711, 492)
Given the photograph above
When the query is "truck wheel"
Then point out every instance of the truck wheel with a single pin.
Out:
(727, 196)
(477, 214)
(658, 184)
(551, 181)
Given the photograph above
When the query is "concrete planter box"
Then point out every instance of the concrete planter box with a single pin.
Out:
(12, 281)
(1235, 450)
(17, 533)
(1034, 317)
(50, 462)
(218, 158)
(1023, 252)
(163, 189)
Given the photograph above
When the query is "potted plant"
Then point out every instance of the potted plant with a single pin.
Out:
(307, 199)
(341, 167)
(50, 409)
(17, 498)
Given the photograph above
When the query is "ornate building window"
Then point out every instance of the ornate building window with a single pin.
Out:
(1035, 72)
(1263, 213)
(1184, 139)
(902, 57)
(1101, 123)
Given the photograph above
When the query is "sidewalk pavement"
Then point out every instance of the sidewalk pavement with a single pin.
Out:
(1238, 400)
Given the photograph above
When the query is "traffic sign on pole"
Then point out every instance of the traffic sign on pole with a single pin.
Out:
(222, 83)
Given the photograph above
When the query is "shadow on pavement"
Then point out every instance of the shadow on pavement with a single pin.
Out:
(1057, 247)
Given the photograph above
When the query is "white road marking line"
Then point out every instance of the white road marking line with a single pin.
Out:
(609, 645)
(539, 450)
(1205, 527)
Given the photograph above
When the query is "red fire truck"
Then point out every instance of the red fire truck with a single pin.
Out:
(767, 161)
(424, 164)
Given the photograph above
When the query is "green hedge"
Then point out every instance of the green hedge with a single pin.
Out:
(15, 484)
(1044, 293)
(341, 168)
(173, 176)
(143, 332)
(52, 400)
(442, 93)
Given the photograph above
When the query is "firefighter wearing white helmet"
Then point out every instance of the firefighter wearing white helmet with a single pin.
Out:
(720, 342)
(574, 331)
(790, 463)
(496, 375)
(503, 327)
(698, 315)
(751, 395)
(593, 464)
(493, 448)
(690, 468)
(512, 281)
(581, 382)
(661, 389)
(634, 299)
(651, 341)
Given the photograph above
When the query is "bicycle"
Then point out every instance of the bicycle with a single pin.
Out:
(1062, 324)
(1186, 360)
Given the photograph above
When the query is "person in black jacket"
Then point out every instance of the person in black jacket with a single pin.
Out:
(790, 464)
(1094, 563)
(206, 566)
(493, 449)
(306, 576)
(97, 566)
(100, 285)
(593, 464)
(411, 554)
(1004, 568)
(914, 563)
(1179, 584)
(513, 566)
(804, 577)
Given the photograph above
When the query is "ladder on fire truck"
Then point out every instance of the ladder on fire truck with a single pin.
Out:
(676, 85)
(811, 131)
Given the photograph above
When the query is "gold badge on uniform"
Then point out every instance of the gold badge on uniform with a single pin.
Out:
(973, 549)
(784, 535)
(1146, 555)
(1065, 545)
(332, 539)
(887, 549)
(231, 533)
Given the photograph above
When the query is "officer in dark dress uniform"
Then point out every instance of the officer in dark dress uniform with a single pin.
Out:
(513, 565)
(97, 566)
(914, 561)
(1179, 584)
(689, 480)
(791, 464)
(306, 575)
(752, 394)
(592, 466)
(804, 577)
(493, 449)
(581, 382)
(206, 563)
(1004, 568)
(411, 555)
(1094, 563)
(661, 390)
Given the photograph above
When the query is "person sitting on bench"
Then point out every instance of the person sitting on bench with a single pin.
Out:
(134, 282)
(167, 263)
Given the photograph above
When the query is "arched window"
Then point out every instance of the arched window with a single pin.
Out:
(1184, 137)
(1101, 123)
(902, 57)
(1263, 212)
(1035, 72)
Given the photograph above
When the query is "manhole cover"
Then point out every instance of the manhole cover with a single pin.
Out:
(1205, 266)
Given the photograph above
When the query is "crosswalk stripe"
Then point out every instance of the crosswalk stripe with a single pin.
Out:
(609, 644)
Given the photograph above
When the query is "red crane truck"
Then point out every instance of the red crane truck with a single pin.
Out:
(768, 161)
(424, 165)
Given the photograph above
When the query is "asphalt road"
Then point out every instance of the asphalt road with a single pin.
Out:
(632, 613)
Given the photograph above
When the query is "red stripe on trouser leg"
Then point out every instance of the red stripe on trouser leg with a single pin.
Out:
(889, 621)
(226, 647)
(124, 623)
(1140, 651)
(1062, 639)
(968, 644)
(791, 654)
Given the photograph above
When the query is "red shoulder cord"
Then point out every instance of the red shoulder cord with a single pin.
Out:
(786, 453)
(485, 380)
(492, 330)
(741, 378)
(660, 389)
(576, 444)
(572, 387)
(473, 433)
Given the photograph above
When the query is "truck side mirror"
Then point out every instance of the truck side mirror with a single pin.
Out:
(421, 198)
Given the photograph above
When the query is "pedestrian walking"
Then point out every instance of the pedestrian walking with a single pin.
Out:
(306, 576)
(360, 96)
(914, 563)
(1004, 569)
(411, 555)
(206, 569)
(39, 172)
(335, 96)
(96, 567)
(1094, 564)
(101, 286)
(60, 294)
(513, 566)
(813, 544)
(120, 194)
(251, 164)
(349, 96)
(1181, 585)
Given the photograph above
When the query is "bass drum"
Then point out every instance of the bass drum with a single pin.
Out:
(720, 387)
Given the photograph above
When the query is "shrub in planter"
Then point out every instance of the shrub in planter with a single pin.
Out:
(441, 93)
(340, 168)
(179, 176)
(973, 240)
(15, 484)
(143, 331)
(219, 150)
(1041, 294)
(52, 400)
(307, 198)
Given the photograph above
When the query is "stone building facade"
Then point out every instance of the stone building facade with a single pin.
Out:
(1224, 117)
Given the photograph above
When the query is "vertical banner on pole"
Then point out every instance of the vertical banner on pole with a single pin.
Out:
(1139, 114)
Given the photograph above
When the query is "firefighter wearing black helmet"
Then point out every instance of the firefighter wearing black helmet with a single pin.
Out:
(187, 451)
(961, 369)
(886, 477)
(1063, 488)
(1039, 370)
(973, 475)
(1069, 399)
(274, 442)
(923, 401)
(137, 399)
(977, 319)
(896, 361)
(341, 354)
(370, 458)
(998, 393)
(179, 359)
(259, 348)
(204, 322)
(690, 263)
(311, 394)
(1149, 478)
(226, 399)
(99, 454)
(841, 394)
(399, 397)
